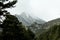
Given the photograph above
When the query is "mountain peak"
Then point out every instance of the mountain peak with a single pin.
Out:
(25, 14)
(30, 15)
(28, 19)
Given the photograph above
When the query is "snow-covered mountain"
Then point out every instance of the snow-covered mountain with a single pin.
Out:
(28, 19)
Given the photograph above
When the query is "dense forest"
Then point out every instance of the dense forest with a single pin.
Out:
(52, 33)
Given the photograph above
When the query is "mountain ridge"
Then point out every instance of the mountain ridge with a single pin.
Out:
(50, 27)
(51, 23)
(27, 19)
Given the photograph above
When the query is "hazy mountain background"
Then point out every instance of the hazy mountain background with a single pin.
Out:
(27, 19)
(43, 30)
(32, 22)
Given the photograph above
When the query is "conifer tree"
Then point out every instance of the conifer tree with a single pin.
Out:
(12, 29)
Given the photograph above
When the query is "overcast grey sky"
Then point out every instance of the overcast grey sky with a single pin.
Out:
(44, 9)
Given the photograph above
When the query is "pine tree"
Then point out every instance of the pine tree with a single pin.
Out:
(12, 28)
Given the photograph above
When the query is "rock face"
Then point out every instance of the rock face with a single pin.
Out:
(27, 19)
(36, 28)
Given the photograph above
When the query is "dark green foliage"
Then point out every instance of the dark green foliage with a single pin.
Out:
(3, 0)
(7, 5)
(29, 35)
(51, 34)
(14, 30)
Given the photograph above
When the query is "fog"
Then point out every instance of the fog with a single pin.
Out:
(44, 9)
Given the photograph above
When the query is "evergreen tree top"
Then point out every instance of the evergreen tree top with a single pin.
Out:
(7, 5)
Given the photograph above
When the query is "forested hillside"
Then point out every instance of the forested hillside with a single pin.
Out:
(51, 34)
